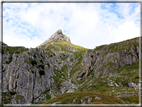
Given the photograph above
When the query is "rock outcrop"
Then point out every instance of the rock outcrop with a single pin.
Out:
(31, 73)
(38, 74)
(57, 36)
(103, 60)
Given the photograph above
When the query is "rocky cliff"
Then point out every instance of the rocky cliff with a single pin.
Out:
(58, 67)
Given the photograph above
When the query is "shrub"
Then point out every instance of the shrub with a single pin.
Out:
(41, 72)
(91, 56)
(17, 52)
(33, 62)
(12, 93)
(41, 61)
(2, 51)
(71, 60)
(7, 101)
(48, 64)
(19, 97)
(48, 97)
(10, 60)
(41, 55)
(34, 55)
(50, 55)
(42, 66)
(137, 77)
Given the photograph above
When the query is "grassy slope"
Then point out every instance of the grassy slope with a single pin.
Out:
(11, 50)
(120, 46)
(62, 46)
(101, 88)
(100, 85)
(67, 98)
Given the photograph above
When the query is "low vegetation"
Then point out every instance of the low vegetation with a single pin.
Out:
(7, 97)
(41, 72)
(11, 50)
(105, 89)
(79, 97)
(62, 46)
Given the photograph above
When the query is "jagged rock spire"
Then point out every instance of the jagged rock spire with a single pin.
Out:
(58, 35)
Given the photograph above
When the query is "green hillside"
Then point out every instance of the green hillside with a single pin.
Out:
(60, 72)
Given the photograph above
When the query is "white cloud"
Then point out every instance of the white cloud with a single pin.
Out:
(87, 25)
(126, 31)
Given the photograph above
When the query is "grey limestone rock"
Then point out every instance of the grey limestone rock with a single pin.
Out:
(102, 63)
(18, 100)
(86, 100)
(58, 35)
(22, 77)
(133, 85)
(4, 88)
(32, 72)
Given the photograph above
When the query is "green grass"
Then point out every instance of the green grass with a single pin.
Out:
(56, 85)
(129, 73)
(79, 57)
(13, 50)
(126, 45)
(61, 75)
(7, 97)
(17, 50)
(10, 59)
(125, 74)
(101, 86)
(118, 47)
(57, 73)
(64, 58)
(64, 46)
(67, 98)
(99, 47)
(109, 64)
(131, 99)
(31, 61)
(19, 97)
(7, 101)
(47, 97)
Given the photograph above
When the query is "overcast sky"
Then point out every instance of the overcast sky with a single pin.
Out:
(87, 24)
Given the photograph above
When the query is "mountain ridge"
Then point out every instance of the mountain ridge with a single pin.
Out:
(58, 67)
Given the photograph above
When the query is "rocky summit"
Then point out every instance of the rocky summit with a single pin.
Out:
(57, 36)
(59, 72)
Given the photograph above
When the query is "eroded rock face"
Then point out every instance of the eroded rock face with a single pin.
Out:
(22, 74)
(32, 72)
(102, 61)
(24, 78)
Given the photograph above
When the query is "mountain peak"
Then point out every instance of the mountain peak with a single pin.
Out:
(59, 31)
(57, 36)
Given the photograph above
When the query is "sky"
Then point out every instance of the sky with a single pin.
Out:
(87, 24)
